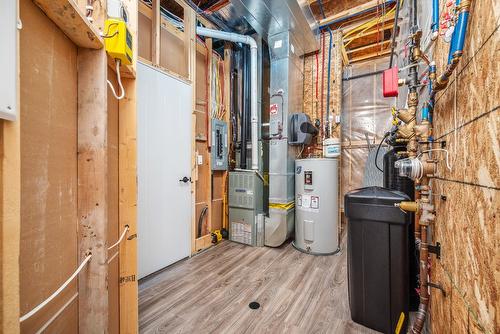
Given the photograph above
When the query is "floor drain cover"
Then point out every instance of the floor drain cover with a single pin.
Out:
(254, 305)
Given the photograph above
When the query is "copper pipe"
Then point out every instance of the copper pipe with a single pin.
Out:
(418, 325)
(417, 214)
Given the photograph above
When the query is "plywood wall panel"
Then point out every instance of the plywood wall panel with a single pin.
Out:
(48, 167)
(467, 117)
(145, 36)
(466, 230)
(478, 137)
(483, 21)
(216, 214)
(440, 303)
(173, 54)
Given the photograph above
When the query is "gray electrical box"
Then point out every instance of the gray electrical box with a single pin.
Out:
(246, 219)
(219, 145)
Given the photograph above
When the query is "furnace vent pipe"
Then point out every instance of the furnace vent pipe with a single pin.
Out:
(237, 38)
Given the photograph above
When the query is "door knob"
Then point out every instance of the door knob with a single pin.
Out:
(185, 179)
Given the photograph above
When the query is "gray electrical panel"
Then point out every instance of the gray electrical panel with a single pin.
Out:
(246, 218)
(219, 145)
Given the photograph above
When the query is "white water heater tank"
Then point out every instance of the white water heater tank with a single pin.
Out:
(316, 206)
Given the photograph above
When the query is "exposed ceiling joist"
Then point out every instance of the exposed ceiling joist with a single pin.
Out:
(358, 10)
(369, 46)
(378, 29)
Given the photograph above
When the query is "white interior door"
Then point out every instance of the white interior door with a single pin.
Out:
(163, 160)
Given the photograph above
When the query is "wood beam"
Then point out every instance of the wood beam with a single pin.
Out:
(155, 33)
(350, 12)
(386, 26)
(92, 189)
(227, 107)
(10, 213)
(127, 180)
(371, 56)
(369, 46)
(72, 21)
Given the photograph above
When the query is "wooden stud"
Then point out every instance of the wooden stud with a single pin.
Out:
(72, 21)
(127, 179)
(227, 116)
(155, 33)
(92, 189)
(190, 43)
(10, 213)
(10, 216)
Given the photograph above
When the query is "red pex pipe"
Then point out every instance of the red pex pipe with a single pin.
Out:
(322, 82)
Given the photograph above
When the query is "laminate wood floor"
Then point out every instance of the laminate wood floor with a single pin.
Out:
(210, 293)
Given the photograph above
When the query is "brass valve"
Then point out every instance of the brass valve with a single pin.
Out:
(410, 206)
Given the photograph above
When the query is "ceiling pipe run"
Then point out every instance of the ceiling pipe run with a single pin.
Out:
(254, 114)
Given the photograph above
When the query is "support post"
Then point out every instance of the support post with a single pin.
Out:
(92, 189)
(155, 33)
(127, 180)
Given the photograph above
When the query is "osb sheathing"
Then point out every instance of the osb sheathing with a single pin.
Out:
(467, 118)
(315, 95)
(48, 111)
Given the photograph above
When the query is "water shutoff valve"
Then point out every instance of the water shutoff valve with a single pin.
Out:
(410, 167)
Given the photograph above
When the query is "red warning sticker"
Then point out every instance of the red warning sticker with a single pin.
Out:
(274, 109)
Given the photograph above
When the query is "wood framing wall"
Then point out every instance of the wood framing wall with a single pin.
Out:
(467, 118)
(48, 117)
(68, 178)
(316, 86)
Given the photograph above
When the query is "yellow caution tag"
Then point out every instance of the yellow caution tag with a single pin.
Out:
(400, 323)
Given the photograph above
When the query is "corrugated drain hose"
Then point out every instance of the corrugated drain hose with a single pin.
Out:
(203, 213)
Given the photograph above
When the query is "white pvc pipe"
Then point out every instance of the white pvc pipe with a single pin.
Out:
(254, 112)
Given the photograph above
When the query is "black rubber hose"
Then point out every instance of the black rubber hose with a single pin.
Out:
(378, 149)
(203, 213)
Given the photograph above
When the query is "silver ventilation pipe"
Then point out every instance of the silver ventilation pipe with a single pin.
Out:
(254, 114)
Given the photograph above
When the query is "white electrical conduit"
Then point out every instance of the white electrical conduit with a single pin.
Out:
(237, 38)
(120, 239)
(119, 79)
(58, 313)
(58, 291)
(438, 149)
(70, 279)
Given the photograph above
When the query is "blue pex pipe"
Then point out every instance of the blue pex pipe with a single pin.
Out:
(463, 21)
(425, 112)
(435, 16)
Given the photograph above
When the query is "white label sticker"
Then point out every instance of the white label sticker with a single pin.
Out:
(278, 44)
(314, 202)
(306, 201)
(292, 48)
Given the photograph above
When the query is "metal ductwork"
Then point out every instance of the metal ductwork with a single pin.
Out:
(270, 17)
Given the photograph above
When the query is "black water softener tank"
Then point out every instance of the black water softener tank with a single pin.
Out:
(393, 181)
(377, 259)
